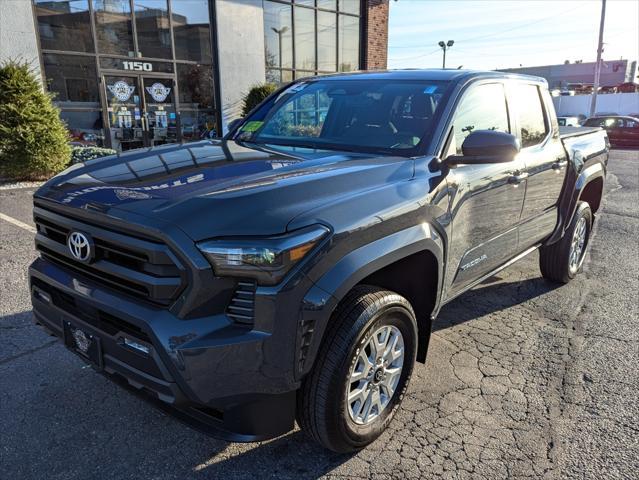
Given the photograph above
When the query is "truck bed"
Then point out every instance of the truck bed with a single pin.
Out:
(567, 132)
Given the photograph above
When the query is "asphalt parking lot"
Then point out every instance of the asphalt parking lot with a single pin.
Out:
(523, 379)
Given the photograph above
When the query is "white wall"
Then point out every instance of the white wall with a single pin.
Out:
(17, 33)
(621, 103)
(240, 36)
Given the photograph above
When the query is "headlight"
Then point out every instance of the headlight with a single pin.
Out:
(267, 260)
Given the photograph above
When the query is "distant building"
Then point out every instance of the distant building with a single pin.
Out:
(613, 72)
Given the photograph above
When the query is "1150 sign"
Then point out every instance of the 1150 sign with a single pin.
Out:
(138, 66)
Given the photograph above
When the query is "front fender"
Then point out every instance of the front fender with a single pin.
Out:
(321, 300)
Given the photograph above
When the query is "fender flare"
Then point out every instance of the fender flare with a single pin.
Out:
(587, 175)
(322, 299)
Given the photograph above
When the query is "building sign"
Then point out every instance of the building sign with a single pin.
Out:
(137, 66)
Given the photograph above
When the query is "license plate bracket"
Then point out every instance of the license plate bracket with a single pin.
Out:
(83, 343)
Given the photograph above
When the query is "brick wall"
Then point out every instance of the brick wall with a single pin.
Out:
(376, 34)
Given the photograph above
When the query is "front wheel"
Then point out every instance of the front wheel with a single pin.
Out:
(362, 370)
(561, 261)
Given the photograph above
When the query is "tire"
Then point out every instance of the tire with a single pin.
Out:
(556, 261)
(323, 410)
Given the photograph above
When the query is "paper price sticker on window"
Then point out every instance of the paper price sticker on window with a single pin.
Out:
(252, 126)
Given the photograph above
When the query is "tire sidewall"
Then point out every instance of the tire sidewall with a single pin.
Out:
(403, 318)
(583, 211)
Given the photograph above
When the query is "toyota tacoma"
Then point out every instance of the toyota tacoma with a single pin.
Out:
(293, 269)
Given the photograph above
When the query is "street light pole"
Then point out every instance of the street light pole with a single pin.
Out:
(445, 46)
(280, 32)
(595, 87)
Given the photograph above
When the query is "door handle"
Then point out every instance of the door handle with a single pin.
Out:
(559, 165)
(517, 178)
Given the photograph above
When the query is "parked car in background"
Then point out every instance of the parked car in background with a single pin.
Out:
(568, 121)
(623, 131)
(628, 87)
(608, 89)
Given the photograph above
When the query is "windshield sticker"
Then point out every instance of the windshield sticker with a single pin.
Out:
(252, 126)
(430, 89)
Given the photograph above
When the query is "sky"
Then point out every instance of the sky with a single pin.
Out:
(491, 34)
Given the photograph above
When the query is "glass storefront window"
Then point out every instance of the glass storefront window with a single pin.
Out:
(191, 29)
(85, 127)
(326, 41)
(197, 125)
(279, 76)
(324, 34)
(278, 32)
(113, 24)
(349, 6)
(348, 43)
(64, 25)
(304, 21)
(72, 78)
(327, 4)
(152, 25)
(195, 84)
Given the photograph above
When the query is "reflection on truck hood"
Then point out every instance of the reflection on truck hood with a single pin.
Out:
(215, 188)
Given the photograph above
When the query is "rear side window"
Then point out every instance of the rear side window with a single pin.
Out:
(482, 108)
(532, 120)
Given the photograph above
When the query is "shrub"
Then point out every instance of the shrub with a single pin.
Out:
(34, 142)
(255, 96)
(84, 154)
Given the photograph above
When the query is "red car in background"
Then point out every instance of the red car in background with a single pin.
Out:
(623, 131)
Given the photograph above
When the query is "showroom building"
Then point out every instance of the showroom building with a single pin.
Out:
(135, 73)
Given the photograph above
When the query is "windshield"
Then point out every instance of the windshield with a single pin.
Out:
(386, 116)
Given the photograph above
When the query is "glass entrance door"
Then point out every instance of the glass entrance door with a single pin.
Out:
(124, 111)
(141, 111)
(159, 111)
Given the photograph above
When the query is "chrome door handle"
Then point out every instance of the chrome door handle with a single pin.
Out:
(517, 178)
(559, 165)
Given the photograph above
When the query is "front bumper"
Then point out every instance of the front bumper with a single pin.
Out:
(230, 380)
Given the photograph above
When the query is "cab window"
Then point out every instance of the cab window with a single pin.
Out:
(532, 119)
(482, 108)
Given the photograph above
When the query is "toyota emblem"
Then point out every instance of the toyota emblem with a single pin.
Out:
(79, 246)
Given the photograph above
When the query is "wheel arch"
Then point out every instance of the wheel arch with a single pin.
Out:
(381, 263)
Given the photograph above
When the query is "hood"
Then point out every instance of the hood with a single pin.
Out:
(220, 188)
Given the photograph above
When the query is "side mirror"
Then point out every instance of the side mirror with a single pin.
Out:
(486, 146)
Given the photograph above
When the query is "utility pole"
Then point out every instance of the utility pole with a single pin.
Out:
(595, 87)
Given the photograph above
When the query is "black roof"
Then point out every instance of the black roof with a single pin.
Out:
(432, 74)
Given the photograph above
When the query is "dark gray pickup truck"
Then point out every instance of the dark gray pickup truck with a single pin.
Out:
(293, 269)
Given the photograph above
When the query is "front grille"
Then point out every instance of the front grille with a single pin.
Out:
(140, 267)
(242, 305)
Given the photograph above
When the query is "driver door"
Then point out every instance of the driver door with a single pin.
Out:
(486, 200)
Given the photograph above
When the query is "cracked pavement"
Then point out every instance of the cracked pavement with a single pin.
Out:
(524, 379)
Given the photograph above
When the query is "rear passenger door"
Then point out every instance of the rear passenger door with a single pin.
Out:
(487, 199)
(544, 157)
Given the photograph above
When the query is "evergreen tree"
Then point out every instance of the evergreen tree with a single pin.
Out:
(34, 142)
(255, 96)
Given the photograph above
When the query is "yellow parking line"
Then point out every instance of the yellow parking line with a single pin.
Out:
(17, 223)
